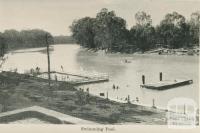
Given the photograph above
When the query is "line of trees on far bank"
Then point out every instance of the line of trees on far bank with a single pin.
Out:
(13, 39)
(63, 40)
(2, 46)
(108, 31)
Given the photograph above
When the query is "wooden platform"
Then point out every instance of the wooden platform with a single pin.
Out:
(76, 79)
(166, 84)
(89, 81)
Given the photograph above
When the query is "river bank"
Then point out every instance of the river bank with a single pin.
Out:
(19, 91)
(157, 51)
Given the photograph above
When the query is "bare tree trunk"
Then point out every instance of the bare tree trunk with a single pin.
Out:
(48, 58)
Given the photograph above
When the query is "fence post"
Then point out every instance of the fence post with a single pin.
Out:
(143, 79)
(107, 95)
(88, 90)
(161, 76)
(128, 99)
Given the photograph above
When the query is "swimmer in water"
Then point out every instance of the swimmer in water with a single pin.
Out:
(61, 67)
(113, 87)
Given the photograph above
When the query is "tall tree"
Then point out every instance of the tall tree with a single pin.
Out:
(106, 31)
(143, 19)
(110, 31)
(143, 33)
(195, 27)
(82, 31)
(2, 45)
(174, 31)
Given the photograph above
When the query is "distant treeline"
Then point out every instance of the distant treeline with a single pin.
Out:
(12, 39)
(63, 40)
(2, 45)
(108, 31)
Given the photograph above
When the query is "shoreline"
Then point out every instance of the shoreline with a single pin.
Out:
(157, 51)
(125, 102)
(26, 91)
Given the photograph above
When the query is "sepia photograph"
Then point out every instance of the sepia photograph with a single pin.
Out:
(100, 62)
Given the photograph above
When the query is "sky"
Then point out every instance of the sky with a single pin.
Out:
(55, 16)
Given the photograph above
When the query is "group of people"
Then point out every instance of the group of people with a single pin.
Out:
(127, 61)
(115, 87)
(127, 98)
(36, 70)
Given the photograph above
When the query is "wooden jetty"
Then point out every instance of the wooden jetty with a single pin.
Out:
(166, 84)
(89, 81)
(70, 74)
(79, 80)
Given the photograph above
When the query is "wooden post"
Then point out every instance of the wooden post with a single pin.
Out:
(88, 90)
(153, 103)
(143, 79)
(56, 79)
(48, 59)
(128, 99)
(160, 76)
(137, 99)
(184, 109)
(107, 95)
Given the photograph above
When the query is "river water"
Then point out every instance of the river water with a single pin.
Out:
(127, 76)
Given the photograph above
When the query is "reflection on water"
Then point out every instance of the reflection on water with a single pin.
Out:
(127, 76)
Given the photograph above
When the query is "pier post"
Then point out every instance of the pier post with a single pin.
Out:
(143, 79)
(161, 76)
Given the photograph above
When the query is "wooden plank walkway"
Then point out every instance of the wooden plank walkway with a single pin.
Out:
(166, 84)
(89, 81)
